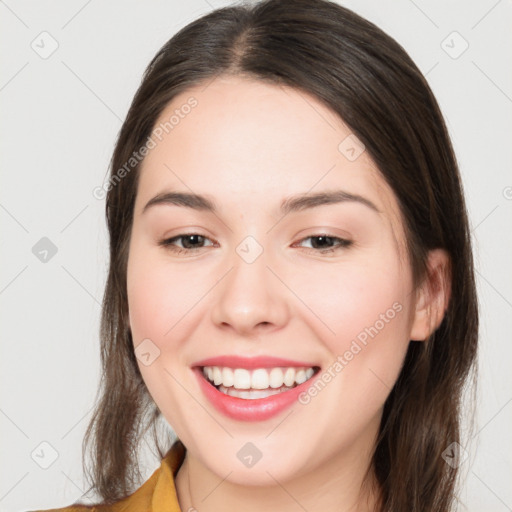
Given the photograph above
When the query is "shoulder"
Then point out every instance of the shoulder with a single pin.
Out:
(158, 490)
(71, 508)
(140, 500)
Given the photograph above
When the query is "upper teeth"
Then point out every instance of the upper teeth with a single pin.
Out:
(261, 378)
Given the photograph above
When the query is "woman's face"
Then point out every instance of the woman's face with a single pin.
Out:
(321, 283)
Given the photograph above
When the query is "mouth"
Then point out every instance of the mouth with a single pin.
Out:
(253, 388)
(257, 383)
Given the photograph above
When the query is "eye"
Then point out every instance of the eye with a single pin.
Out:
(323, 243)
(190, 242)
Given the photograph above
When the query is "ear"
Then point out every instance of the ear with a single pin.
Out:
(433, 296)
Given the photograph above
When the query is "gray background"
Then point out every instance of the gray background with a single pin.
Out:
(60, 117)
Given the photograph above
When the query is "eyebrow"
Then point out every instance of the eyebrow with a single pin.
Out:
(288, 205)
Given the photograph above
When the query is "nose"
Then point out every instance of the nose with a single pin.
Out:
(250, 299)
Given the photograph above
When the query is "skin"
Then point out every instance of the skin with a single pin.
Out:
(248, 145)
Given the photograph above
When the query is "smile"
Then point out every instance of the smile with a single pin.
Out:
(258, 383)
(253, 389)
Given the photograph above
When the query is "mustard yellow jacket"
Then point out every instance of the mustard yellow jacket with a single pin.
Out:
(157, 494)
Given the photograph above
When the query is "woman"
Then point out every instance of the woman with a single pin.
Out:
(291, 282)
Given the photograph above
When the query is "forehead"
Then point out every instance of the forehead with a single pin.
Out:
(250, 143)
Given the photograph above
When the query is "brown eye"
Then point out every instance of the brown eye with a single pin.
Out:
(189, 242)
(324, 243)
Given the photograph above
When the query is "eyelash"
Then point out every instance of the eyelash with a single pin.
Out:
(342, 243)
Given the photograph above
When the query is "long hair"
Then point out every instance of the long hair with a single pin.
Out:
(368, 79)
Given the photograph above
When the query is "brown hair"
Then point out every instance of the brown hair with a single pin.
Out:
(368, 79)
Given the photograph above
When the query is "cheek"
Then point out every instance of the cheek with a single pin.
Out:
(162, 298)
(163, 308)
(347, 299)
(367, 307)
(361, 315)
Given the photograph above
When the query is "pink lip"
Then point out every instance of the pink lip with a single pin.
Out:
(251, 362)
(241, 409)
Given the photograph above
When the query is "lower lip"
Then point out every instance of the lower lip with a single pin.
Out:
(258, 409)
